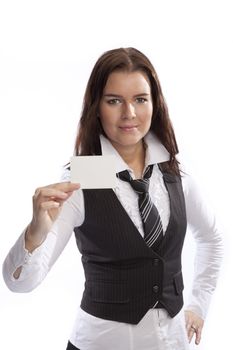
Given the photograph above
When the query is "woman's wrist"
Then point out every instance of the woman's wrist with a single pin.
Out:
(33, 239)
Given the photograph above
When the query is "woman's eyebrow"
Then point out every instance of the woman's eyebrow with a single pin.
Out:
(116, 95)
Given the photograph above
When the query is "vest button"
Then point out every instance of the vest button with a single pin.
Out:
(156, 262)
(155, 289)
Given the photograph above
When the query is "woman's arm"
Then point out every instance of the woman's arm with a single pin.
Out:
(30, 259)
(209, 251)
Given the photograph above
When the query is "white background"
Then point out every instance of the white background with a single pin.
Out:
(47, 51)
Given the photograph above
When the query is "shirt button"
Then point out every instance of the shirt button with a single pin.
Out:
(155, 289)
(27, 259)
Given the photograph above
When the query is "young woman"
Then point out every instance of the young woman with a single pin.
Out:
(130, 237)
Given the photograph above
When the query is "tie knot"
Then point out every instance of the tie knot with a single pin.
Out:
(139, 185)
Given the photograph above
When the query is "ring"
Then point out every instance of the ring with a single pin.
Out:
(194, 328)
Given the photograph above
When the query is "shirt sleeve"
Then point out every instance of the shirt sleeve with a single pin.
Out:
(207, 233)
(37, 264)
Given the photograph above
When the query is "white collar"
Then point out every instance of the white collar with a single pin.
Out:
(155, 151)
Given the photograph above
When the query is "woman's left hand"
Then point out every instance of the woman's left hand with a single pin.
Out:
(194, 325)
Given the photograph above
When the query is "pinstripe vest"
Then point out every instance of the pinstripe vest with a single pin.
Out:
(124, 277)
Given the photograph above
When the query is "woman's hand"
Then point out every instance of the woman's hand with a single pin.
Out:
(47, 203)
(194, 325)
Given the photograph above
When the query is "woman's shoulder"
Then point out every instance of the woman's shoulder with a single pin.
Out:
(193, 186)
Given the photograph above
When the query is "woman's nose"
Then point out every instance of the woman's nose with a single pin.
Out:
(129, 111)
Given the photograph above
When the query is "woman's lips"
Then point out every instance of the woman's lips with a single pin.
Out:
(128, 127)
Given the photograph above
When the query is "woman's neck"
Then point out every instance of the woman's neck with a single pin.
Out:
(134, 157)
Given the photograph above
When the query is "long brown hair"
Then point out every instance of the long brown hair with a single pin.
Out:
(126, 59)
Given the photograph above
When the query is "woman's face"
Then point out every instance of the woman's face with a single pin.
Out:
(126, 108)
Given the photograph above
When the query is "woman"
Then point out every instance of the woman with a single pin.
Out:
(131, 256)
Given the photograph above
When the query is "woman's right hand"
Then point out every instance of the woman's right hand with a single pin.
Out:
(47, 203)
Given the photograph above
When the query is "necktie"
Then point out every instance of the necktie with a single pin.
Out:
(153, 230)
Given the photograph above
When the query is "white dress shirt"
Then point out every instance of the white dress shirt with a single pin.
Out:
(90, 332)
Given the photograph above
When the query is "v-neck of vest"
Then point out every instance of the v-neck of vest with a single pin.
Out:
(168, 180)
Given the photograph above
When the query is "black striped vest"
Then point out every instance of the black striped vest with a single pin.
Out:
(124, 277)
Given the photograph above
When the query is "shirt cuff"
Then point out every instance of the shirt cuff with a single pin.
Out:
(34, 265)
(199, 303)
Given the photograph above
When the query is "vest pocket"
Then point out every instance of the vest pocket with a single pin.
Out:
(178, 282)
(108, 293)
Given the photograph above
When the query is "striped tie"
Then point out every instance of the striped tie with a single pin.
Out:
(153, 230)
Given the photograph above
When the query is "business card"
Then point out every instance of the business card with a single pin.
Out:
(93, 171)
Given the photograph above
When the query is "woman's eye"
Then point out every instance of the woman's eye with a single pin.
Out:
(113, 101)
(141, 100)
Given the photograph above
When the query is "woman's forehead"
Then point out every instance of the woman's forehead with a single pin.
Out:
(121, 82)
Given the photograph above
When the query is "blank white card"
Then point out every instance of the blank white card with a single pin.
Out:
(94, 171)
